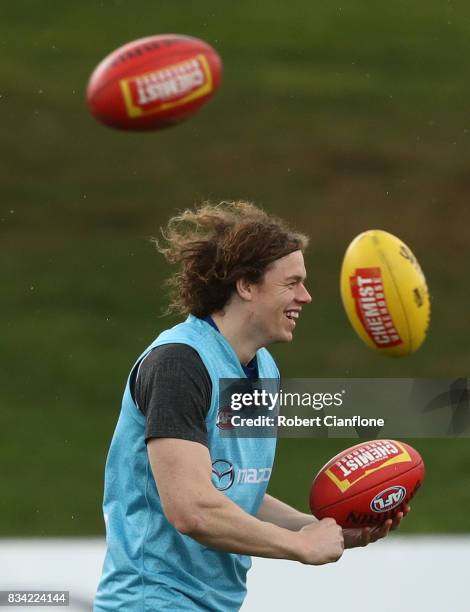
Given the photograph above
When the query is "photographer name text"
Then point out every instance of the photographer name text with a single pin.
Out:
(296, 421)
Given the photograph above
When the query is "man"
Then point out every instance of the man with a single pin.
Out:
(180, 526)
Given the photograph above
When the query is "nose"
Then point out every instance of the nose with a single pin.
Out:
(303, 295)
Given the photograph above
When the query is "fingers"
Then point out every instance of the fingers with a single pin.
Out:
(340, 541)
(341, 537)
(328, 521)
(325, 542)
(367, 535)
(378, 533)
(389, 525)
(397, 519)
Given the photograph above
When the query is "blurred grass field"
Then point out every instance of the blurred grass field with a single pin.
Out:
(339, 119)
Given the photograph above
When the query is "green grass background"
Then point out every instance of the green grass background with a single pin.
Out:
(339, 118)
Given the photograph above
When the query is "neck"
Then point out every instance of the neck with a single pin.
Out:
(237, 330)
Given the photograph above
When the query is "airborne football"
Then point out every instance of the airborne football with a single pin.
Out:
(385, 294)
(153, 82)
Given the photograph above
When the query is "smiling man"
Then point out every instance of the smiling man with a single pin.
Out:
(182, 518)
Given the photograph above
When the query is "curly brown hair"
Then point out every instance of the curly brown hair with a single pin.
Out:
(215, 246)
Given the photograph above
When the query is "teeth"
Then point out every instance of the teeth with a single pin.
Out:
(292, 314)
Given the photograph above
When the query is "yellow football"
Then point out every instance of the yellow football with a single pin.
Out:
(385, 294)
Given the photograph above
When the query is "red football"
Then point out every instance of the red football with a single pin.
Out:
(153, 82)
(367, 483)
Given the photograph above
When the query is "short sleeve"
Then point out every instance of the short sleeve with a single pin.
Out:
(173, 390)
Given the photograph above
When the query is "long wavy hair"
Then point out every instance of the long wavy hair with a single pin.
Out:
(216, 245)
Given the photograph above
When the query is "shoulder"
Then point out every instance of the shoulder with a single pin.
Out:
(176, 364)
(173, 351)
(175, 360)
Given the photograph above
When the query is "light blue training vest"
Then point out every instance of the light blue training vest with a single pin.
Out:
(149, 565)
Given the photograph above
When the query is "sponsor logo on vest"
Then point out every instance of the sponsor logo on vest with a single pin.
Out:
(223, 474)
(371, 307)
(253, 475)
(224, 419)
(388, 499)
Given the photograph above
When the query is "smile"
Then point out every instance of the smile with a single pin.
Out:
(292, 314)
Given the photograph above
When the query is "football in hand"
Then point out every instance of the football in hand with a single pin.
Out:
(367, 484)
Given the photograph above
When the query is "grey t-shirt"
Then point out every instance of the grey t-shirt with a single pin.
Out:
(172, 388)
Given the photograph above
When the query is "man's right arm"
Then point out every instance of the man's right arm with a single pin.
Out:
(182, 470)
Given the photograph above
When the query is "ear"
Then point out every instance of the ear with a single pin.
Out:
(244, 289)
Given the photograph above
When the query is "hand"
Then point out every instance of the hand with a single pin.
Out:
(362, 537)
(322, 542)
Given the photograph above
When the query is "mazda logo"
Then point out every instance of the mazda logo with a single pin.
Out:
(223, 474)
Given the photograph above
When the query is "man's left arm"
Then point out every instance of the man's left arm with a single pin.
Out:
(275, 511)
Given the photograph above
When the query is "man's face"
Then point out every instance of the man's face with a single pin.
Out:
(278, 299)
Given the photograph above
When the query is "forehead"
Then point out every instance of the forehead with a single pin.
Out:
(287, 266)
